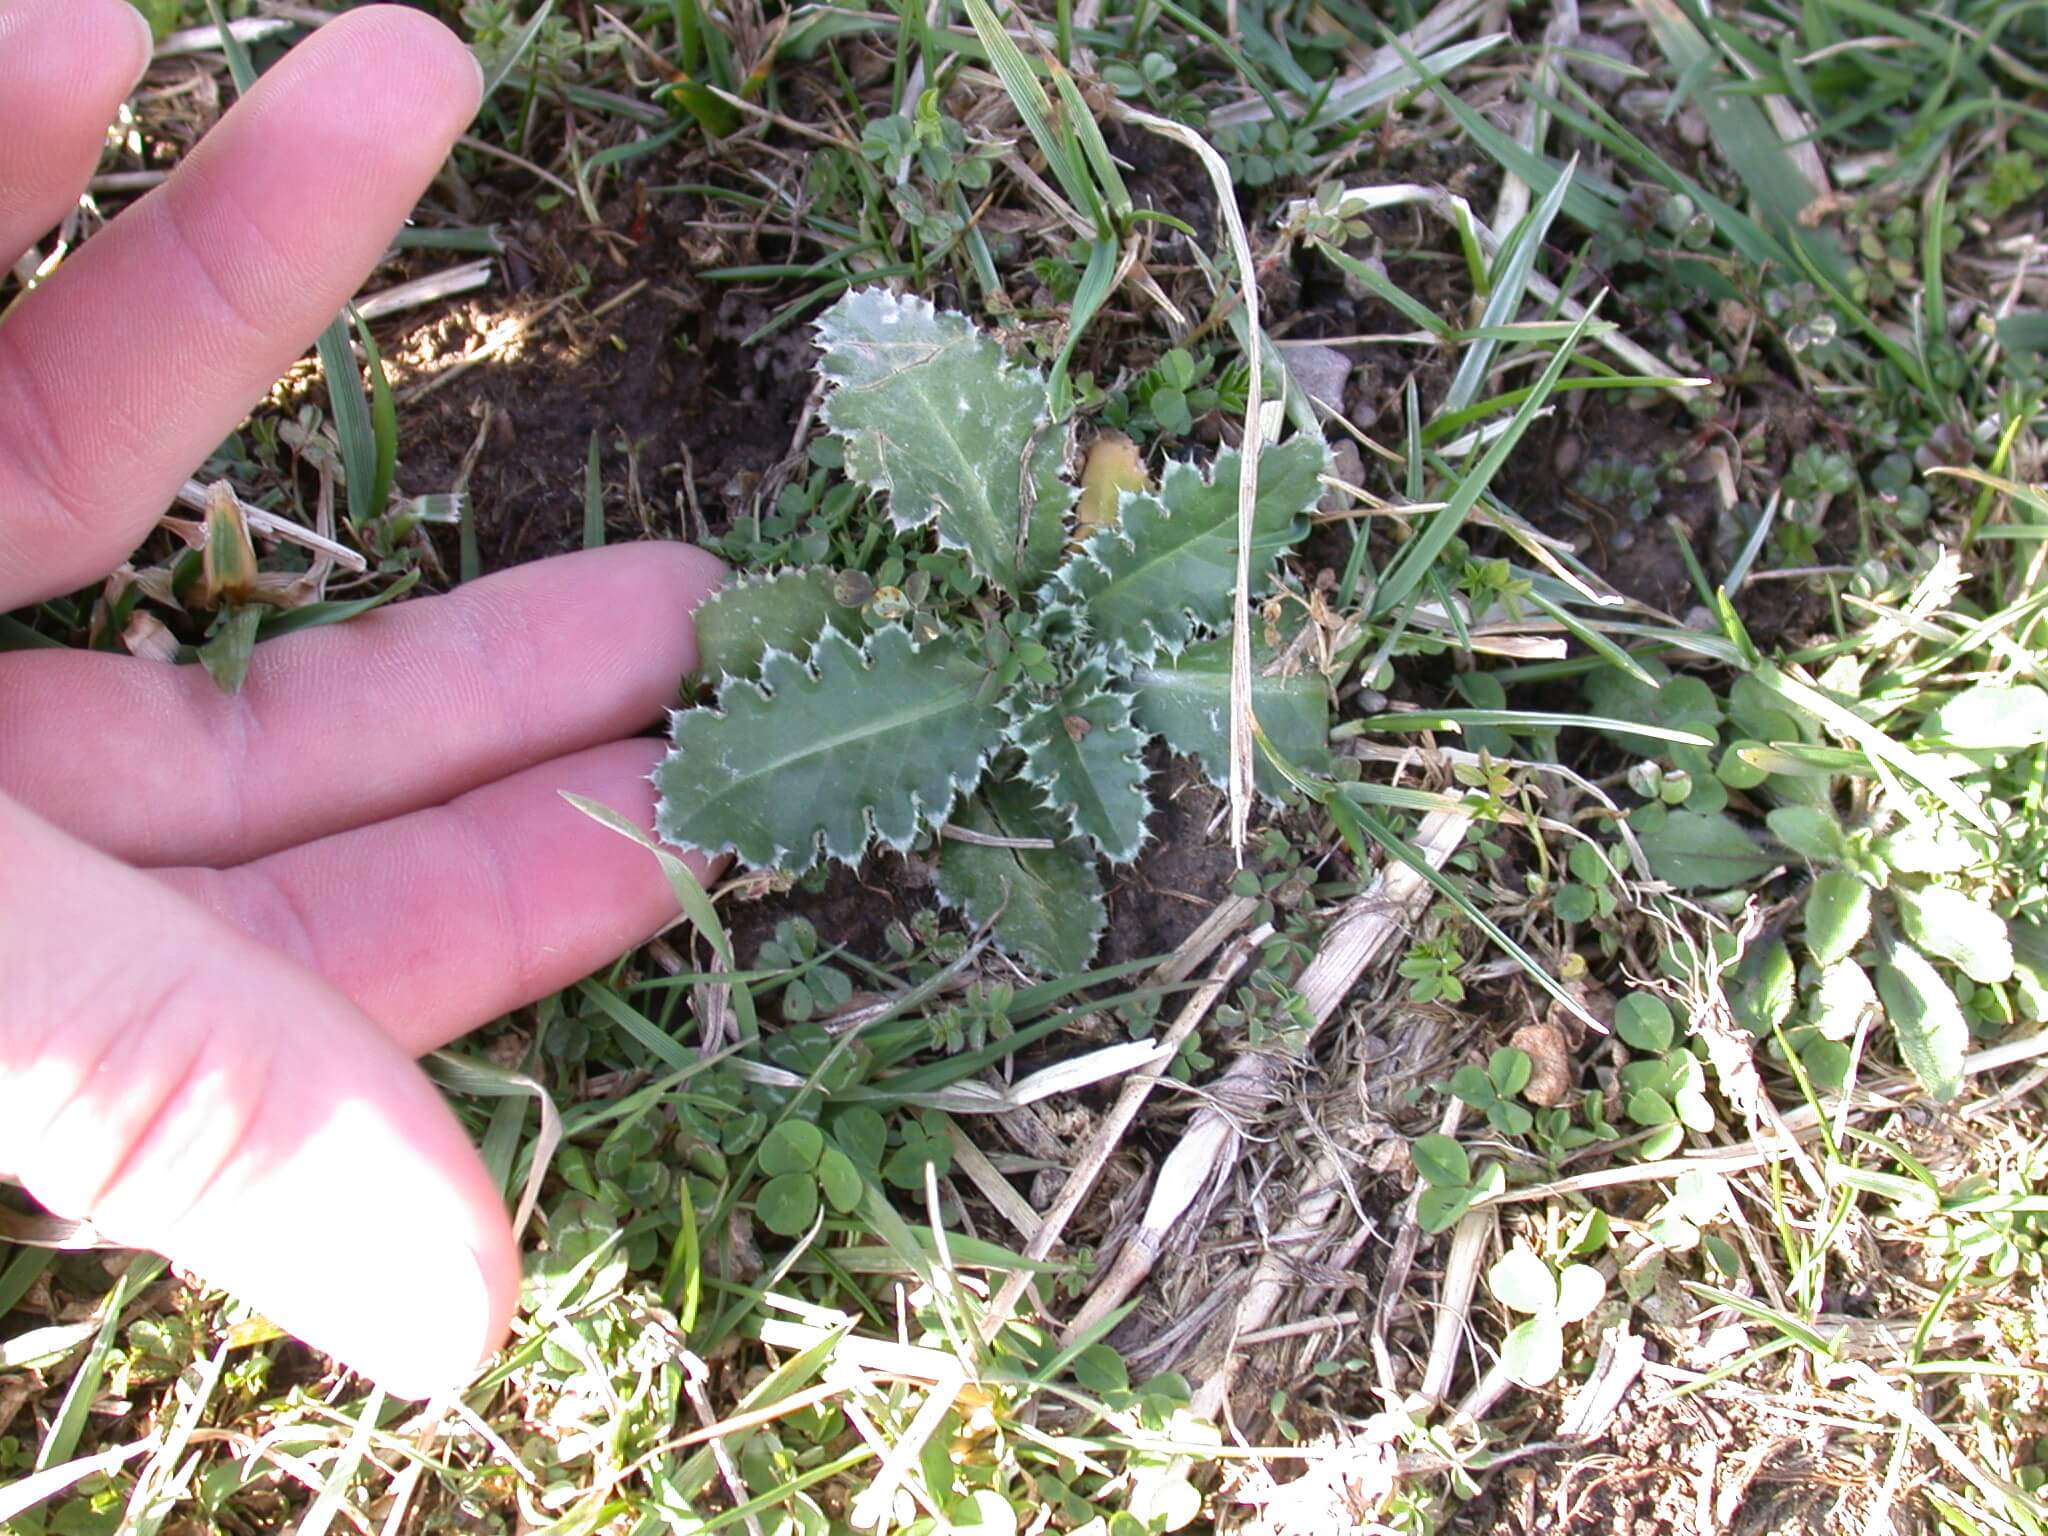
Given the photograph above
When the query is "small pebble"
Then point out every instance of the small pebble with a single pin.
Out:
(1601, 77)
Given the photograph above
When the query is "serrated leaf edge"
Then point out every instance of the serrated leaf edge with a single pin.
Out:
(1094, 678)
(1190, 626)
(923, 817)
(977, 339)
(738, 582)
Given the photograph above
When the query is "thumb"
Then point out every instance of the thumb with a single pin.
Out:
(189, 1091)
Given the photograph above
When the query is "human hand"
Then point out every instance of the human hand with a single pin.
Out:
(229, 923)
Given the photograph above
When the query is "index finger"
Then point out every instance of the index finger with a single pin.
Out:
(130, 365)
(188, 1090)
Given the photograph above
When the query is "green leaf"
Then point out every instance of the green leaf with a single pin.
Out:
(1926, 1018)
(1170, 564)
(1509, 1069)
(1937, 849)
(1046, 903)
(1101, 1370)
(739, 624)
(1837, 916)
(1441, 1161)
(1991, 717)
(1648, 1108)
(1693, 851)
(824, 754)
(1523, 1282)
(1533, 1351)
(1949, 924)
(227, 652)
(1767, 987)
(1187, 700)
(1643, 1020)
(1837, 1005)
(1579, 1289)
(1438, 1208)
(792, 1147)
(1085, 753)
(932, 413)
(840, 1181)
(1675, 703)
(1471, 1084)
(983, 1512)
(863, 1134)
(1808, 831)
(788, 1204)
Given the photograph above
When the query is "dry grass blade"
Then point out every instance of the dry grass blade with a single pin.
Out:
(1109, 1135)
(1241, 744)
(195, 494)
(1206, 1150)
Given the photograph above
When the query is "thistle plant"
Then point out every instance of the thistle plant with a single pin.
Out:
(847, 716)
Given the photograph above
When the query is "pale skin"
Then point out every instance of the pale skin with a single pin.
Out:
(228, 924)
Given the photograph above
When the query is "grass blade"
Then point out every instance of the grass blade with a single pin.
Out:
(1414, 561)
(593, 498)
(1097, 283)
(1512, 268)
(1068, 167)
(383, 416)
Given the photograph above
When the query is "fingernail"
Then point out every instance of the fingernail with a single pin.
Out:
(146, 43)
(446, 1330)
(478, 65)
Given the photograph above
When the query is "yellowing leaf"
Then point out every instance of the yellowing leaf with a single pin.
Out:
(1113, 466)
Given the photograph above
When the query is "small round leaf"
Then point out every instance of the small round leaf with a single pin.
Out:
(863, 1135)
(840, 1180)
(1441, 1161)
(983, 1512)
(1533, 1351)
(792, 1147)
(1509, 1069)
(788, 1204)
(1438, 1209)
(1101, 1370)
(1522, 1281)
(1579, 1289)
(1644, 1021)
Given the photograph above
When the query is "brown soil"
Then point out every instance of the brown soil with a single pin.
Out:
(648, 359)
(1687, 1467)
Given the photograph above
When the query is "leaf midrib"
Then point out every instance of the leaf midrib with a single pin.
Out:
(956, 696)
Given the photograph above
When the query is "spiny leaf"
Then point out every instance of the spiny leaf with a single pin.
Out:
(1187, 700)
(855, 742)
(1926, 1018)
(1171, 563)
(933, 414)
(741, 623)
(1049, 899)
(1083, 751)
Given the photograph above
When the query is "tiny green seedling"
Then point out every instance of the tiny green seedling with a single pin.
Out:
(1016, 712)
(1451, 1187)
(1491, 1089)
(1533, 1352)
(801, 1168)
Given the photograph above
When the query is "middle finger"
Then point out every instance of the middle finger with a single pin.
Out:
(341, 727)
